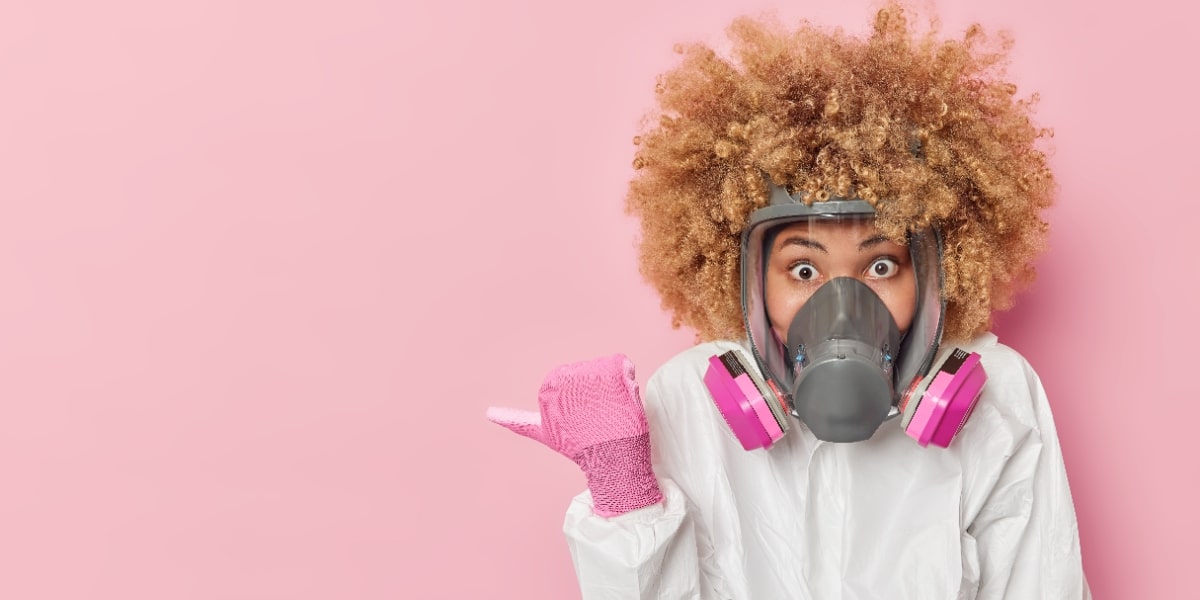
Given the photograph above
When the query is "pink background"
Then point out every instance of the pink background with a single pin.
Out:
(265, 264)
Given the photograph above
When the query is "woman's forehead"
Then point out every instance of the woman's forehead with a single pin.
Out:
(830, 231)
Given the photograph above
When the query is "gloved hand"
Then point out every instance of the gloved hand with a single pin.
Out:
(592, 414)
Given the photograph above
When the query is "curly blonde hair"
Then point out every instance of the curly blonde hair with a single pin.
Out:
(927, 130)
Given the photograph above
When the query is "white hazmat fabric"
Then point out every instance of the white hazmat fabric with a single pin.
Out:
(990, 517)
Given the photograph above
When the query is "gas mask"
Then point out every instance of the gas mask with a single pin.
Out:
(842, 365)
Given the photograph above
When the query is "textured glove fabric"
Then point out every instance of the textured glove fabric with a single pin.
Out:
(619, 475)
(591, 412)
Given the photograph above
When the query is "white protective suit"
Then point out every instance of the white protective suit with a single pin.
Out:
(989, 517)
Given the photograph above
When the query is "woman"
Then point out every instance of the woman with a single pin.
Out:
(837, 218)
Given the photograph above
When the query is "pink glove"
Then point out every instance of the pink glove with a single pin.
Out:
(592, 414)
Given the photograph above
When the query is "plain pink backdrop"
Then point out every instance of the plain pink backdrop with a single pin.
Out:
(265, 264)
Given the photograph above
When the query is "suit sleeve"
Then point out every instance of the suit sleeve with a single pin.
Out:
(1026, 533)
(646, 553)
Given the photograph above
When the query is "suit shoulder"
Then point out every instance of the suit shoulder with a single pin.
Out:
(690, 364)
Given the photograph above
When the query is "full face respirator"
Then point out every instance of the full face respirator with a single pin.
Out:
(842, 366)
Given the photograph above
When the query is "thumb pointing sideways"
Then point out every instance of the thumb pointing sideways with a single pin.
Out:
(524, 422)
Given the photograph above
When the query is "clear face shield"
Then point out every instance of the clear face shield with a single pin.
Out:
(842, 320)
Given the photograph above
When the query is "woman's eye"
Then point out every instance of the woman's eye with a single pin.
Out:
(883, 268)
(804, 272)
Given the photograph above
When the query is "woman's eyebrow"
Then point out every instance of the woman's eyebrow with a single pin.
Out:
(796, 240)
(872, 241)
